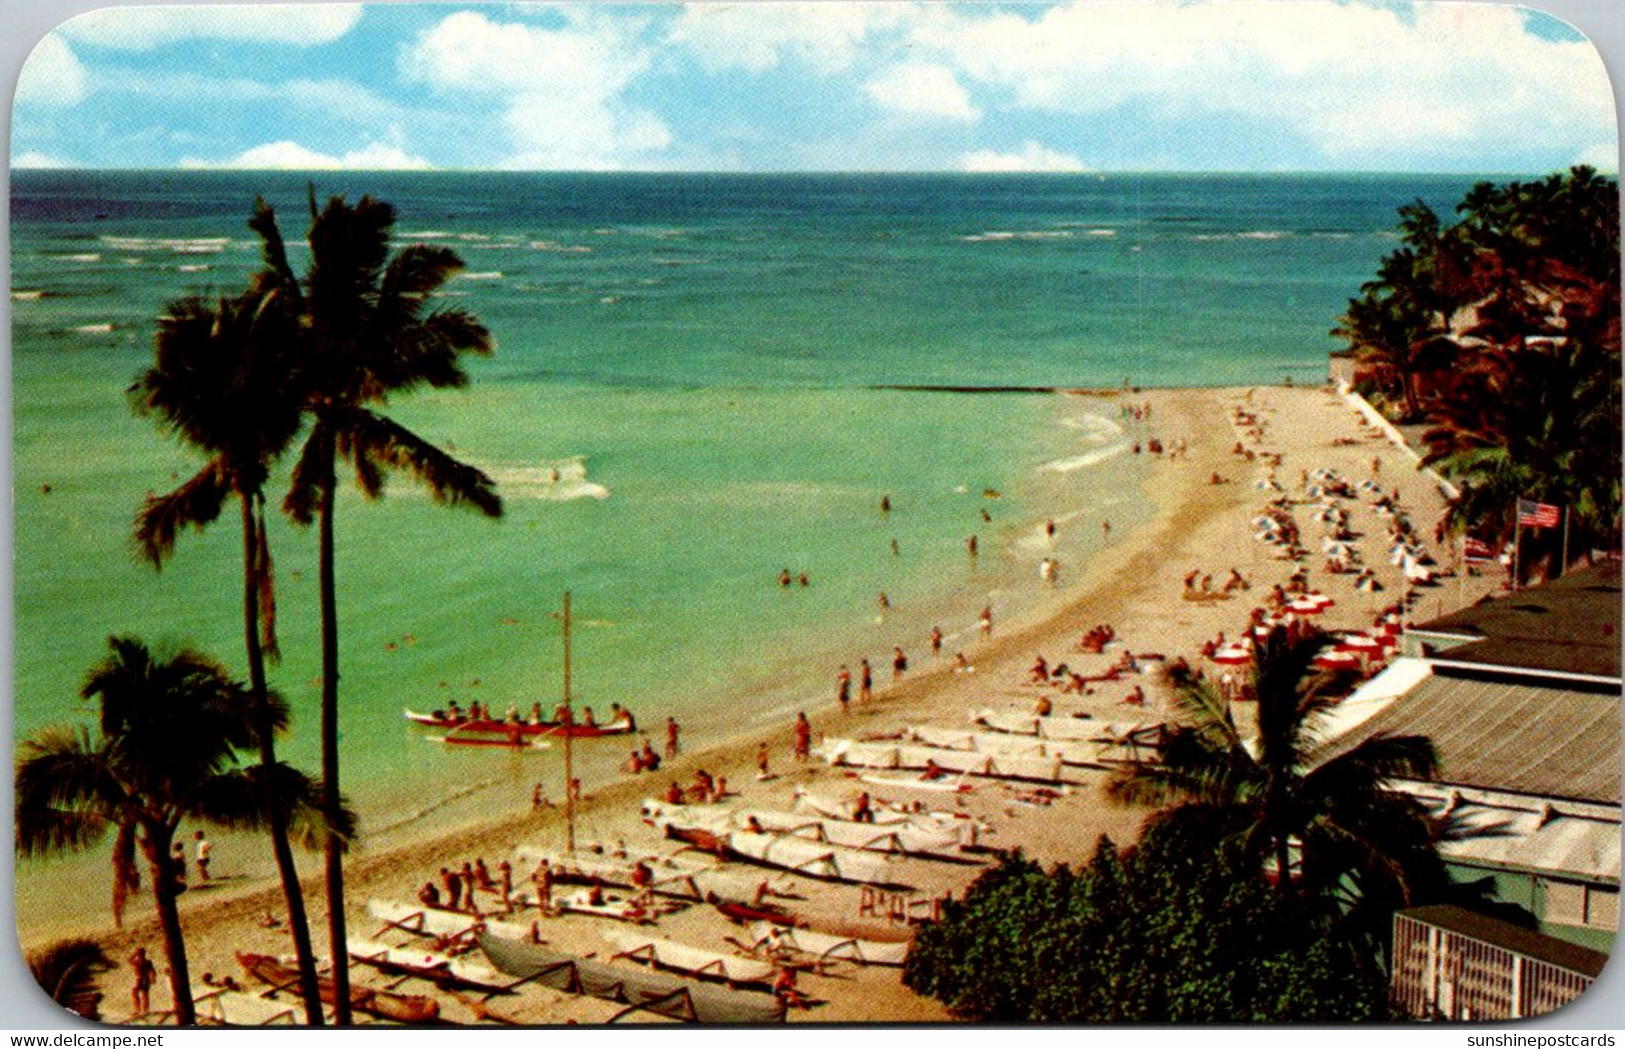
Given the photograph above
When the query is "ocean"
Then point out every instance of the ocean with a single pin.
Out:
(700, 381)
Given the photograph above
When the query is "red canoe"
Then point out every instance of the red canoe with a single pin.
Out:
(507, 729)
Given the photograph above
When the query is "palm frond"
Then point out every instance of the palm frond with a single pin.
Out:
(310, 473)
(68, 971)
(195, 504)
(366, 437)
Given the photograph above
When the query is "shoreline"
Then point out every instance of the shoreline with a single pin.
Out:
(1132, 583)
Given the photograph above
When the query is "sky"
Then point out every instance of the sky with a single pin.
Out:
(1181, 85)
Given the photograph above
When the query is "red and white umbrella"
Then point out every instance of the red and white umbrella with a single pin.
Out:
(1305, 606)
(1359, 643)
(1232, 656)
(1337, 660)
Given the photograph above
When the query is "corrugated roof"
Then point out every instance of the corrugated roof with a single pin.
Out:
(1535, 945)
(1570, 625)
(1518, 737)
(1511, 832)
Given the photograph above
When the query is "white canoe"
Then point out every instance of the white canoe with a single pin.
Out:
(675, 877)
(827, 947)
(916, 756)
(686, 959)
(241, 1009)
(959, 823)
(901, 838)
(426, 964)
(445, 925)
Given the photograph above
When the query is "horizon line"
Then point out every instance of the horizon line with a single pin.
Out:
(870, 172)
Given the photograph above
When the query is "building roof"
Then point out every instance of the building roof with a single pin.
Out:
(1530, 944)
(1496, 830)
(1508, 735)
(1570, 625)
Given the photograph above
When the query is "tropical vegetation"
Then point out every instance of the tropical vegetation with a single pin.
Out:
(362, 331)
(1262, 890)
(171, 731)
(1500, 335)
(70, 971)
(223, 385)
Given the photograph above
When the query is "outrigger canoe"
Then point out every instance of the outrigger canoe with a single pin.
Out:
(495, 727)
(404, 1008)
(637, 988)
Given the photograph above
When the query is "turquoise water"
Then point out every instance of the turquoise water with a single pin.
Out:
(704, 362)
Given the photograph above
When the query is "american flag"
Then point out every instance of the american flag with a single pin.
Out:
(1536, 515)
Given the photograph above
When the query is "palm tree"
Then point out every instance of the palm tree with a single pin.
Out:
(366, 334)
(1350, 829)
(166, 749)
(68, 971)
(221, 382)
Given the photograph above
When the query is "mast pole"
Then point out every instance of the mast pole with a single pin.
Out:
(569, 727)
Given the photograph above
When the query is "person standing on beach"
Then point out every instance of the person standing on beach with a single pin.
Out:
(784, 578)
(1105, 529)
(803, 730)
(145, 974)
(542, 878)
(454, 888)
(899, 663)
(761, 762)
(936, 641)
(672, 749)
(885, 505)
(866, 682)
(1049, 529)
(986, 621)
(970, 547)
(885, 604)
(201, 854)
(843, 689)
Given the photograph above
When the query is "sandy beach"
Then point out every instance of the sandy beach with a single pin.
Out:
(1135, 585)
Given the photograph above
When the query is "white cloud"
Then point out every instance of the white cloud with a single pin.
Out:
(1353, 80)
(52, 76)
(143, 28)
(558, 90)
(1030, 157)
(34, 159)
(757, 37)
(290, 155)
(922, 90)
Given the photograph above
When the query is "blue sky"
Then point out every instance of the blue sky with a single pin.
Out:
(1189, 85)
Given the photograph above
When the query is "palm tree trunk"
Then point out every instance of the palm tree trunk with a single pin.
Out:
(336, 936)
(275, 812)
(169, 923)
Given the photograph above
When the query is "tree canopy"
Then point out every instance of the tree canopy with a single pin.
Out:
(1180, 928)
(1500, 333)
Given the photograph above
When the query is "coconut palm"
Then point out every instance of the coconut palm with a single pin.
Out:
(166, 749)
(367, 333)
(1350, 830)
(221, 382)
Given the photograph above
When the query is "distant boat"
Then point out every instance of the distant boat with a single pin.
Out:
(621, 726)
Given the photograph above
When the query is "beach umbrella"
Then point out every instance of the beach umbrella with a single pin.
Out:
(1305, 607)
(1337, 660)
(1232, 656)
(1359, 643)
